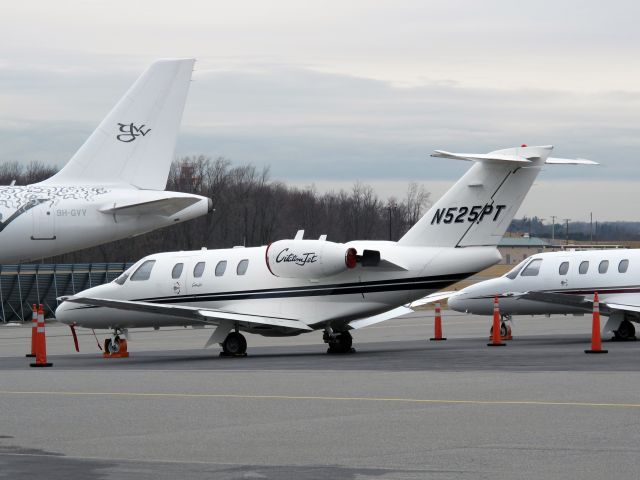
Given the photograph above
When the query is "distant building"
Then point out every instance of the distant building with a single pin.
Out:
(516, 249)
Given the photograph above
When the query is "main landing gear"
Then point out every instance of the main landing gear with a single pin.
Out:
(116, 346)
(339, 342)
(235, 345)
(625, 331)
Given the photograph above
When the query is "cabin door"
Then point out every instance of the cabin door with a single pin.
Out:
(43, 222)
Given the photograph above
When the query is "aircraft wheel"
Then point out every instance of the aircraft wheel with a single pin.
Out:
(112, 346)
(234, 344)
(626, 331)
(503, 330)
(342, 343)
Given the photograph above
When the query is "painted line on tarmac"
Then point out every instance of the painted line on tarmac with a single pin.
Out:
(534, 403)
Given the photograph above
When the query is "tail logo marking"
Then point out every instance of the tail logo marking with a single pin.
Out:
(467, 214)
(129, 132)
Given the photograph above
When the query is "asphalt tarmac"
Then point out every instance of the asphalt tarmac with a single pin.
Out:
(401, 407)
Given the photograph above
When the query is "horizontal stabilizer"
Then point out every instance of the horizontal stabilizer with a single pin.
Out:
(570, 161)
(381, 317)
(197, 314)
(481, 157)
(165, 207)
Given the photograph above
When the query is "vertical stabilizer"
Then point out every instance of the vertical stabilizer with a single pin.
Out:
(479, 207)
(135, 143)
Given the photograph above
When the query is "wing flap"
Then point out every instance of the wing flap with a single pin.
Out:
(199, 314)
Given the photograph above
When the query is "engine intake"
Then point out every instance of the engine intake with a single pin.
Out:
(309, 259)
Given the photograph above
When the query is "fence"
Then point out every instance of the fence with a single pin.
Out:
(23, 285)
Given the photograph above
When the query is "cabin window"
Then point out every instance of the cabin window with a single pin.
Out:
(242, 267)
(515, 271)
(177, 270)
(143, 272)
(623, 265)
(532, 269)
(584, 267)
(221, 267)
(198, 270)
(564, 268)
(604, 266)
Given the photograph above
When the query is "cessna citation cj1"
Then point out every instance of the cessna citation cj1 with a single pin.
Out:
(564, 283)
(113, 187)
(294, 286)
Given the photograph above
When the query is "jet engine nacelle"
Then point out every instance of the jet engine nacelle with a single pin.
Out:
(309, 258)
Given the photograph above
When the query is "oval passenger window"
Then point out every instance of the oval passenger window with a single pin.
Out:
(623, 265)
(584, 267)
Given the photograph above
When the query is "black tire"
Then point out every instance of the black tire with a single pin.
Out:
(626, 330)
(234, 344)
(503, 330)
(342, 343)
(107, 345)
(114, 346)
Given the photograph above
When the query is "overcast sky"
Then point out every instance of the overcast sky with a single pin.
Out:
(333, 92)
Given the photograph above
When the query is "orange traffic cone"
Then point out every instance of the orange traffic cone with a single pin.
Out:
(34, 331)
(495, 336)
(596, 343)
(41, 343)
(437, 326)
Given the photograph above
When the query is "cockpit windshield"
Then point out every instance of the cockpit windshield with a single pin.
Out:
(516, 270)
(122, 278)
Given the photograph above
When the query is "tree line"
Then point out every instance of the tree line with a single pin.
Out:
(251, 209)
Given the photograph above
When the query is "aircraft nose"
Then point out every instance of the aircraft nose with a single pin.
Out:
(63, 313)
(456, 303)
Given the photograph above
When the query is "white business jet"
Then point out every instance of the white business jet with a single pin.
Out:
(113, 187)
(295, 286)
(564, 283)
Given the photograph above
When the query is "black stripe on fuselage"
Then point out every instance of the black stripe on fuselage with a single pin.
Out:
(420, 283)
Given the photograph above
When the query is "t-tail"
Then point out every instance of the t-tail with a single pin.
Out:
(478, 209)
(134, 145)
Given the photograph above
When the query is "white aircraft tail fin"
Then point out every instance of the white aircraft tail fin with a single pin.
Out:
(135, 143)
(479, 207)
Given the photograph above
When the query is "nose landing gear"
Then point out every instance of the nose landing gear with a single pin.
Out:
(115, 347)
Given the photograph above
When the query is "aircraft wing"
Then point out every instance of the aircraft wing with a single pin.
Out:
(165, 207)
(629, 302)
(198, 314)
(381, 317)
(624, 302)
(570, 300)
(434, 297)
